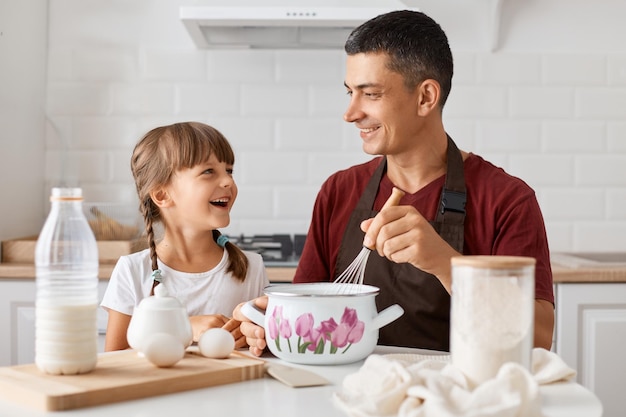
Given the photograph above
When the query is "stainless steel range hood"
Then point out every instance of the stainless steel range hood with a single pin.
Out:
(275, 27)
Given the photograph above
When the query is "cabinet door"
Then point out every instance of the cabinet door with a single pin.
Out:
(17, 321)
(17, 318)
(591, 335)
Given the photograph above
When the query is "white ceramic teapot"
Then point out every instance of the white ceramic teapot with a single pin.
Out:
(160, 317)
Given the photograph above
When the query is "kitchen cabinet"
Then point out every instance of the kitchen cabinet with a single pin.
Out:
(17, 321)
(590, 336)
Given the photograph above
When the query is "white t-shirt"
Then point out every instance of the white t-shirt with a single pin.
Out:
(212, 292)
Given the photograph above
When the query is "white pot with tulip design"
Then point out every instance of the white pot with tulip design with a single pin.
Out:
(321, 323)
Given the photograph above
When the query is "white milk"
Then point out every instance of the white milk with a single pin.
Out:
(66, 339)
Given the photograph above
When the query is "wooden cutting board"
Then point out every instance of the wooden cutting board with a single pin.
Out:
(122, 376)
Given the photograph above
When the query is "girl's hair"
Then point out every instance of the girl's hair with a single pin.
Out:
(163, 151)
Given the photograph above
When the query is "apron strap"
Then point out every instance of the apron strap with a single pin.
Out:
(453, 195)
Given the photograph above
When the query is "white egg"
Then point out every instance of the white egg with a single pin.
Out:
(216, 343)
(163, 349)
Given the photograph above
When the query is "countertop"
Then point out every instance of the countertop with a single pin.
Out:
(563, 271)
(268, 397)
(27, 271)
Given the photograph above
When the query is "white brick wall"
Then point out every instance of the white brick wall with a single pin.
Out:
(554, 117)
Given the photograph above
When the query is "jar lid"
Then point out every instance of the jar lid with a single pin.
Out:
(494, 261)
(161, 300)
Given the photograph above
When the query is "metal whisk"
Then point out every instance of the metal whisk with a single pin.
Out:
(351, 279)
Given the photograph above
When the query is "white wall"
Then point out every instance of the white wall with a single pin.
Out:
(23, 40)
(548, 105)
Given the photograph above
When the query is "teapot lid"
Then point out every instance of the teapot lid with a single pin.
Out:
(161, 300)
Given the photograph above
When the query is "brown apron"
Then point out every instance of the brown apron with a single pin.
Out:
(426, 319)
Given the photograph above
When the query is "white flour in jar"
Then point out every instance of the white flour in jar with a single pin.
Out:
(491, 323)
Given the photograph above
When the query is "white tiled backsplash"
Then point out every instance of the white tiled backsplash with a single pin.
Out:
(556, 119)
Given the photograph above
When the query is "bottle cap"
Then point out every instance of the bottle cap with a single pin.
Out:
(66, 194)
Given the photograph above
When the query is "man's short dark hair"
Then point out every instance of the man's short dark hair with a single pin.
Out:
(417, 47)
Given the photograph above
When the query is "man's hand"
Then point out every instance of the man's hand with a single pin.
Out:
(403, 235)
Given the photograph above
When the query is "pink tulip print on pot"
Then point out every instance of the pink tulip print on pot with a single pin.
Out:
(320, 324)
(316, 336)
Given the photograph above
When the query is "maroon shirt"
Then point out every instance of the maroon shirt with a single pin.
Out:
(502, 218)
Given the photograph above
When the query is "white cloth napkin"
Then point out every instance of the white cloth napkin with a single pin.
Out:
(429, 385)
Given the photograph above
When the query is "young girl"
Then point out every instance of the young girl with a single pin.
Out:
(183, 173)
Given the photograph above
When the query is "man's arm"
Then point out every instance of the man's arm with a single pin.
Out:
(544, 323)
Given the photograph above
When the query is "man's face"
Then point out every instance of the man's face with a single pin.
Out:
(380, 106)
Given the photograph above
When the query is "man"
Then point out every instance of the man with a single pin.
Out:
(398, 76)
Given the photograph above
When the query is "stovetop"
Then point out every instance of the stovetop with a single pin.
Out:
(275, 249)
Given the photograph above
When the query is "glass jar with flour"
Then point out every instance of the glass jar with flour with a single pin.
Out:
(492, 314)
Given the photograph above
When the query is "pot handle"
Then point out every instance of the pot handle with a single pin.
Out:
(387, 316)
(253, 313)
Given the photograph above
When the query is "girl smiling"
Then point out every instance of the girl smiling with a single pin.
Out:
(184, 179)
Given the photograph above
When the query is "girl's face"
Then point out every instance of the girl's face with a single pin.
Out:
(202, 196)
